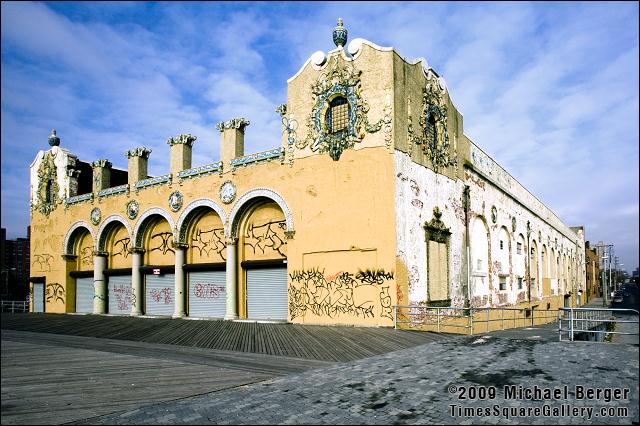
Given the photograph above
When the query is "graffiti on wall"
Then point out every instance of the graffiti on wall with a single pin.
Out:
(340, 294)
(42, 262)
(162, 296)
(162, 242)
(121, 247)
(208, 242)
(124, 296)
(86, 255)
(208, 290)
(268, 236)
(54, 293)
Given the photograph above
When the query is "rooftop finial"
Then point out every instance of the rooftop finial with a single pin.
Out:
(340, 34)
(54, 140)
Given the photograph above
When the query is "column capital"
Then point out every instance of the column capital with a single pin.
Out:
(179, 245)
(99, 253)
(134, 250)
(69, 257)
(230, 241)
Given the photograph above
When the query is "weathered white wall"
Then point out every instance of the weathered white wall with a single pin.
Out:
(418, 191)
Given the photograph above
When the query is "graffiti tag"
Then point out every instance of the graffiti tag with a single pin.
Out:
(162, 296)
(207, 291)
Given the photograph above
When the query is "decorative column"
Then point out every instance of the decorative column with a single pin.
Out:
(232, 282)
(136, 283)
(99, 283)
(179, 280)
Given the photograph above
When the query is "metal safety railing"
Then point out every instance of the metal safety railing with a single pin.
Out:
(14, 306)
(580, 322)
(470, 320)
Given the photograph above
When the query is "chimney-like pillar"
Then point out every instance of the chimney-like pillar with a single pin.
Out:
(232, 138)
(101, 174)
(138, 159)
(180, 152)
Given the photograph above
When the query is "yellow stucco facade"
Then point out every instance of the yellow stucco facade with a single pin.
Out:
(374, 198)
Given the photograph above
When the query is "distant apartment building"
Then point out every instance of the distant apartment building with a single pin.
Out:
(14, 275)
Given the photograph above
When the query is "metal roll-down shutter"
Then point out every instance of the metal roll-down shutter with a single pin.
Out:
(120, 294)
(38, 297)
(267, 293)
(159, 294)
(207, 294)
(84, 295)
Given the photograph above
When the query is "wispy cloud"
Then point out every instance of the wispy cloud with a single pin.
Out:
(549, 90)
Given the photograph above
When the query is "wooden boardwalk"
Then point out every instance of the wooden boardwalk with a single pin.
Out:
(324, 343)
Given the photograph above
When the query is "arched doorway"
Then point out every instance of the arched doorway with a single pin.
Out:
(262, 251)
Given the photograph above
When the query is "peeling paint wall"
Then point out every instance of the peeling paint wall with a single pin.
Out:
(418, 190)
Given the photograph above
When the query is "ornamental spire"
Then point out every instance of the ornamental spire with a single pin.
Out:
(340, 34)
(54, 140)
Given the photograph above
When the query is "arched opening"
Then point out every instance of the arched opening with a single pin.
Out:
(262, 254)
(504, 261)
(480, 257)
(156, 236)
(546, 280)
(206, 264)
(520, 267)
(117, 243)
(534, 269)
(81, 244)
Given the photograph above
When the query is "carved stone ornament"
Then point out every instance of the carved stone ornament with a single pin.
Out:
(513, 224)
(282, 110)
(138, 152)
(340, 79)
(433, 135)
(96, 215)
(185, 139)
(175, 201)
(48, 188)
(234, 123)
(436, 229)
(494, 214)
(132, 209)
(227, 192)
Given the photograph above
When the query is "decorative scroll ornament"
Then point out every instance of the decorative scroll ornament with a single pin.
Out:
(513, 224)
(175, 201)
(494, 214)
(289, 126)
(48, 188)
(132, 209)
(96, 215)
(436, 229)
(340, 80)
(433, 135)
(227, 192)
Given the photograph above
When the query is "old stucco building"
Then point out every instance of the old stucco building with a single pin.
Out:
(373, 197)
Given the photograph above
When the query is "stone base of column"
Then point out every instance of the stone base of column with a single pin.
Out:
(230, 317)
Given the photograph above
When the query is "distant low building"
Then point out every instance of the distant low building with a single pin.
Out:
(592, 269)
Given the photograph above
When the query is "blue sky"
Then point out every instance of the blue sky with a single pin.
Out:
(549, 90)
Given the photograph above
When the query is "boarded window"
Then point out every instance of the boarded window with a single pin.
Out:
(437, 237)
(438, 271)
(519, 248)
